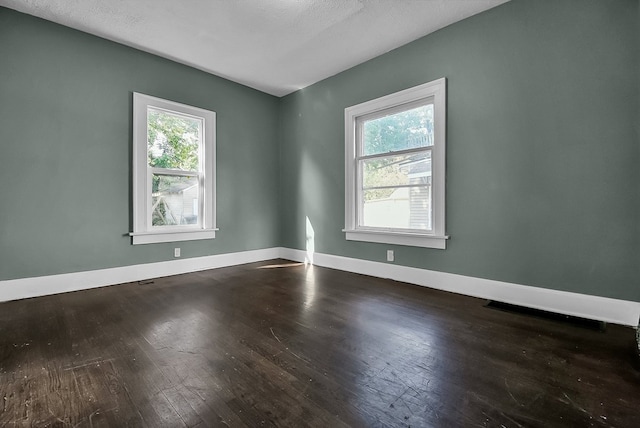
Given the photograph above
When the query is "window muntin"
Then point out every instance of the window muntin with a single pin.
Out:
(395, 168)
(174, 190)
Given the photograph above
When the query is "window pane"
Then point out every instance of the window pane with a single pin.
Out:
(172, 200)
(173, 141)
(399, 131)
(397, 170)
(403, 207)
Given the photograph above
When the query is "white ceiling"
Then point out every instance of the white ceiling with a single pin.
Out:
(276, 46)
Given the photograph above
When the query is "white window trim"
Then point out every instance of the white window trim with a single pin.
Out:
(143, 232)
(430, 239)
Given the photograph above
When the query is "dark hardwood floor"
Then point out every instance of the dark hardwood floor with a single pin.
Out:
(281, 344)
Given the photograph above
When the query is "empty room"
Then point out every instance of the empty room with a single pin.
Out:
(320, 213)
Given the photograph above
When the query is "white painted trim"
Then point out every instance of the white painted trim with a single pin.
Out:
(23, 288)
(581, 305)
(172, 236)
(436, 91)
(143, 231)
(397, 238)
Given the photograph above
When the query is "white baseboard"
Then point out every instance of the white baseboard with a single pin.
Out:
(23, 288)
(575, 304)
(581, 305)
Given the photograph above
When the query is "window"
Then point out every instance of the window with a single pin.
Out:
(395, 168)
(173, 171)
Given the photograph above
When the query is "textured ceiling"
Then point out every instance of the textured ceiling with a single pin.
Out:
(276, 46)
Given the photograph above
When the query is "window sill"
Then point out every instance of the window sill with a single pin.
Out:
(398, 238)
(171, 236)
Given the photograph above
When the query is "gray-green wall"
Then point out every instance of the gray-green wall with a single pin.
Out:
(543, 182)
(65, 139)
(543, 155)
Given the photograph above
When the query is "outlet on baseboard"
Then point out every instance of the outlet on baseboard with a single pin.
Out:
(176, 252)
(390, 256)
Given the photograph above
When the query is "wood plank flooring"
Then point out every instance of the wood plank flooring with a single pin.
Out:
(282, 344)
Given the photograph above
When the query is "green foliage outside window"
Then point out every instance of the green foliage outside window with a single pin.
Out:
(172, 141)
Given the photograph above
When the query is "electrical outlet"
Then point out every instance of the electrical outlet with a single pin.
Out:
(390, 256)
(176, 252)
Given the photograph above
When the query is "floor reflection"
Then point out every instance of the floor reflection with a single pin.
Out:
(281, 265)
(188, 331)
(309, 287)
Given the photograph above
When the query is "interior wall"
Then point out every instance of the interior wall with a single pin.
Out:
(65, 138)
(542, 147)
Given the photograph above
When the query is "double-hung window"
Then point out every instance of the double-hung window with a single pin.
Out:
(395, 168)
(173, 171)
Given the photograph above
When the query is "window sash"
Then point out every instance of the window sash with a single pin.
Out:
(176, 172)
(360, 122)
(200, 224)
